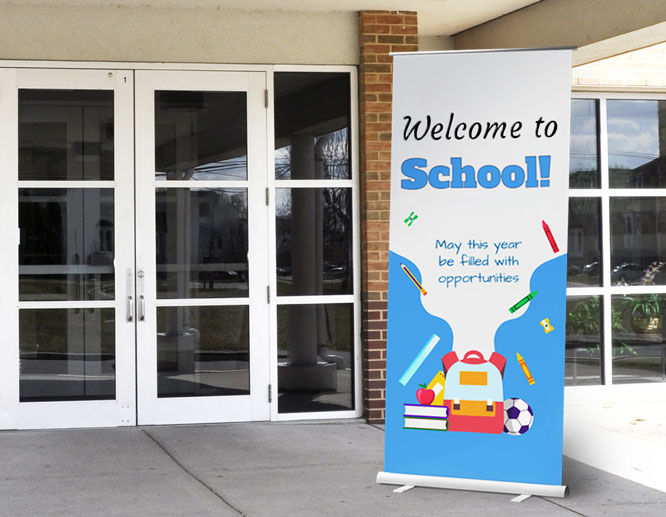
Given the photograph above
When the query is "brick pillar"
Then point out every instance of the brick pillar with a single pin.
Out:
(380, 32)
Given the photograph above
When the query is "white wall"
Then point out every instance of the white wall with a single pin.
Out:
(643, 68)
(157, 34)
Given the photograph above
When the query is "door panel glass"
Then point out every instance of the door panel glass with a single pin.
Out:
(200, 135)
(639, 345)
(203, 351)
(637, 143)
(638, 247)
(315, 357)
(584, 250)
(583, 341)
(314, 241)
(67, 244)
(312, 125)
(584, 162)
(67, 354)
(201, 243)
(65, 135)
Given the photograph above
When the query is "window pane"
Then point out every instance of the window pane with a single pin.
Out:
(200, 135)
(637, 143)
(314, 241)
(67, 354)
(639, 346)
(203, 351)
(584, 255)
(638, 245)
(312, 125)
(584, 162)
(315, 358)
(65, 135)
(201, 243)
(583, 341)
(67, 244)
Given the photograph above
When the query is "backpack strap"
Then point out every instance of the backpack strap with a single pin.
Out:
(498, 361)
(449, 360)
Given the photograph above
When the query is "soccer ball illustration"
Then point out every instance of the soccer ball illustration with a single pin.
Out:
(518, 416)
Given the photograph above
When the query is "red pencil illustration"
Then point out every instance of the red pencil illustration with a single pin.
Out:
(551, 239)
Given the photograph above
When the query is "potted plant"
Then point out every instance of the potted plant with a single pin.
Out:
(645, 314)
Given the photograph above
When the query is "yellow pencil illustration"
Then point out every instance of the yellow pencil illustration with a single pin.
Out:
(527, 373)
(413, 279)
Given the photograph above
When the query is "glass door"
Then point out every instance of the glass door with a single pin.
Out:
(67, 185)
(201, 230)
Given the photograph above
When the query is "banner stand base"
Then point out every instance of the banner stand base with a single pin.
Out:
(478, 485)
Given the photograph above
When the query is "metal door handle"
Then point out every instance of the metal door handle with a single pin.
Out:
(142, 299)
(129, 278)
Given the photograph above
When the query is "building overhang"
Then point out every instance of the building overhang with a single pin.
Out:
(322, 32)
(598, 28)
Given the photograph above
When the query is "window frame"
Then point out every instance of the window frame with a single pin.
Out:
(355, 297)
(605, 193)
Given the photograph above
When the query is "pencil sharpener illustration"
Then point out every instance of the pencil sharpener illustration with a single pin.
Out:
(547, 327)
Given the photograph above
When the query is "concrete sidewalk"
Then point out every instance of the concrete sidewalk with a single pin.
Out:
(620, 419)
(278, 469)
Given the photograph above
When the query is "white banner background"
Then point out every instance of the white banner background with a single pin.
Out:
(529, 92)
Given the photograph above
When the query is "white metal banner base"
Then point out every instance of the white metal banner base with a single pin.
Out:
(478, 485)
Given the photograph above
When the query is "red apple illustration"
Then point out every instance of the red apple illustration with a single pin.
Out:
(424, 395)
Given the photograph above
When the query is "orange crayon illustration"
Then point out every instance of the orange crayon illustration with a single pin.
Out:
(527, 373)
(413, 279)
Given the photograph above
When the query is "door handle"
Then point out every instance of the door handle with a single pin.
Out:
(142, 299)
(129, 279)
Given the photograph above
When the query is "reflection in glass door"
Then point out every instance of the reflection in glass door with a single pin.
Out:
(66, 353)
(139, 288)
(201, 233)
(201, 245)
(314, 222)
(71, 158)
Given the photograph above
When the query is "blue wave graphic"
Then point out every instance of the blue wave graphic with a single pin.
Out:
(536, 456)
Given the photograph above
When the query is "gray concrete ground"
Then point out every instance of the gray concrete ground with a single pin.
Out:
(278, 469)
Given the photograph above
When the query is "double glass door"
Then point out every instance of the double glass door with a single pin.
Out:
(137, 288)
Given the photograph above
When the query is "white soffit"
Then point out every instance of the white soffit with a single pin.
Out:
(436, 17)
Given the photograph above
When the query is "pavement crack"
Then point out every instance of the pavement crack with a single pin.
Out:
(193, 476)
(561, 506)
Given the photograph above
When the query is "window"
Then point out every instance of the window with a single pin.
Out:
(616, 280)
(317, 297)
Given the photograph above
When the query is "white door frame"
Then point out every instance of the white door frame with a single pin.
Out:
(9, 373)
(123, 411)
(355, 298)
(173, 410)
(89, 413)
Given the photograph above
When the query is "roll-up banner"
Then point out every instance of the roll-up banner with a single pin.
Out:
(477, 270)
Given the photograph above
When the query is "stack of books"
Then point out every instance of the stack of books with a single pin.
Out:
(433, 418)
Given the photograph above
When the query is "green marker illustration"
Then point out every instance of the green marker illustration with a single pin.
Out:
(522, 302)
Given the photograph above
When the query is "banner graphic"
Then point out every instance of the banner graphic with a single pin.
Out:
(477, 265)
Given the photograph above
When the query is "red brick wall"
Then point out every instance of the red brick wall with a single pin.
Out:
(380, 32)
